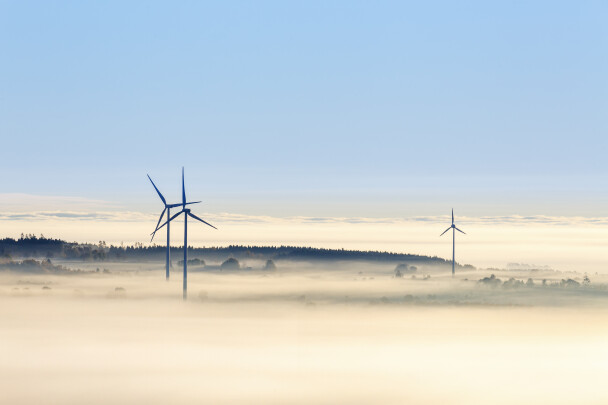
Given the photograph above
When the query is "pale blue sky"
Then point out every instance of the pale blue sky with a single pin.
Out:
(310, 108)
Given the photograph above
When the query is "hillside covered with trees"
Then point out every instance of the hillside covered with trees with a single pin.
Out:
(31, 246)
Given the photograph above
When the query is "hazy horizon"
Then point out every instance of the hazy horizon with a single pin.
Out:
(562, 242)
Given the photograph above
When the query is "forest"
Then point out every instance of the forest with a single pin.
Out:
(32, 246)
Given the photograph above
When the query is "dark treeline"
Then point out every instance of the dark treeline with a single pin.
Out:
(32, 246)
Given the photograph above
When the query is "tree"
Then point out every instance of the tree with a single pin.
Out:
(404, 268)
(491, 281)
(270, 266)
(192, 262)
(231, 264)
(513, 283)
(569, 283)
(586, 280)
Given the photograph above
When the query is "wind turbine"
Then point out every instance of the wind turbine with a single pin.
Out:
(187, 213)
(454, 229)
(168, 210)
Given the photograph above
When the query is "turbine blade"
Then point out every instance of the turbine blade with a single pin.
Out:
(152, 238)
(166, 222)
(158, 223)
(452, 216)
(183, 189)
(180, 204)
(446, 231)
(459, 230)
(204, 222)
(156, 188)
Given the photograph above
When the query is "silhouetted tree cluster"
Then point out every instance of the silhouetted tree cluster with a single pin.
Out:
(42, 247)
(491, 281)
(569, 283)
(231, 264)
(192, 262)
(35, 267)
(512, 282)
(403, 269)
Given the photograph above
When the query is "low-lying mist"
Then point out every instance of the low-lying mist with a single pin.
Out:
(304, 333)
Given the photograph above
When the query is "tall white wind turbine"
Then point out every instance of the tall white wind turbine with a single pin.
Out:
(454, 229)
(167, 208)
(187, 213)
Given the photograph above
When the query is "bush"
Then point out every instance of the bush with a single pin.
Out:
(586, 281)
(491, 281)
(192, 262)
(403, 269)
(230, 264)
(270, 266)
(569, 283)
(513, 283)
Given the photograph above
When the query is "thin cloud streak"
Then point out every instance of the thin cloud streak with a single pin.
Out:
(243, 219)
(20, 202)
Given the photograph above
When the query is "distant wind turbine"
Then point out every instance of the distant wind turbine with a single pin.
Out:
(168, 210)
(187, 213)
(454, 229)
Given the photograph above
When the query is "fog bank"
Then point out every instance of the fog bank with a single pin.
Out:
(297, 336)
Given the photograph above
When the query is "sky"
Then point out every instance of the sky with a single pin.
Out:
(305, 109)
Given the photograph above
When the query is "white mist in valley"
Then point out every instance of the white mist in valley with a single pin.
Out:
(563, 243)
(349, 333)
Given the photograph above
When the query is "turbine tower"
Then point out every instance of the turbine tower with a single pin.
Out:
(454, 229)
(168, 210)
(187, 213)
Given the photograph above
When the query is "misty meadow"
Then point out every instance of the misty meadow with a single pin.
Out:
(298, 331)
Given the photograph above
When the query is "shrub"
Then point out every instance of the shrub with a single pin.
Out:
(403, 269)
(230, 264)
(491, 281)
(270, 266)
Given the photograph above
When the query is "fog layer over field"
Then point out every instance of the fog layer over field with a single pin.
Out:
(566, 243)
(303, 334)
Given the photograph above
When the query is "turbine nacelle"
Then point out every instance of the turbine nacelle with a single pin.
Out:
(168, 206)
(453, 226)
(184, 210)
